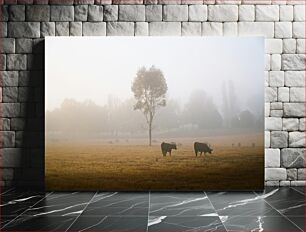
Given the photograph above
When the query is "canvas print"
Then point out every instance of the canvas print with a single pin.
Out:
(154, 113)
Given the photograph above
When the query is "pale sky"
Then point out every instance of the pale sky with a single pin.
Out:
(92, 68)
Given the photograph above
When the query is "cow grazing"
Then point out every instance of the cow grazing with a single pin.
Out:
(202, 147)
(167, 147)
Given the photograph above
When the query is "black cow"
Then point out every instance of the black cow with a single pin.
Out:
(167, 147)
(202, 147)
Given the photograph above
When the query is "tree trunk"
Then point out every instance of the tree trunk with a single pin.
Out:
(150, 129)
(150, 134)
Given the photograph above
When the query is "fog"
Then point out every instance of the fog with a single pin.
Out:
(214, 83)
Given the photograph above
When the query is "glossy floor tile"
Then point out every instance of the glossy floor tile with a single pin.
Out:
(275, 209)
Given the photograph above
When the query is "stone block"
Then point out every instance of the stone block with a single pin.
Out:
(273, 123)
(164, 29)
(289, 45)
(230, 29)
(131, 13)
(94, 28)
(8, 138)
(12, 157)
(300, 47)
(141, 29)
(294, 79)
(272, 158)
(284, 183)
(294, 110)
(290, 124)
(293, 157)
(212, 29)
(120, 29)
(110, 12)
(267, 138)
(283, 30)
(270, 94)
(256, 28)
(299, 13)
(62, 28)
(222, 13)
(296, 139)
(80, 13)
(191, 29)
(8, 45)
(95, 13)
(273, 46)
(277, 113)
(197, 13)
(297, 94)
(279, 139)
(275, 174)
(75, 29)
(297, 183)
(24, 45)
(283, 94)
(267, 13)
(17, 13)
(16, 62)
(286, 13)
(18, 124)
(11, 110)
(2, 62)
(276, 62)
(298, 30)
(38, 13)
(293, 61)
(154, 13)
(302, 124)
(9, 78)
(9, 94)
(301, 174)
(24, 29)
(175, 13)
(62, 13)
(47, 29)
(277, 78)
(267, 109)
(246, 13)
(292, 174)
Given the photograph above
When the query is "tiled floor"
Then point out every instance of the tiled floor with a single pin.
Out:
(274, 210)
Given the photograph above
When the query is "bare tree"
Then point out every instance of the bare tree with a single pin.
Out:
(149, 88)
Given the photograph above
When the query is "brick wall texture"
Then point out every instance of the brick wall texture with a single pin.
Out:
(25, 23)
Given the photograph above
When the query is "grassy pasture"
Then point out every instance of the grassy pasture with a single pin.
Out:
(133, 165)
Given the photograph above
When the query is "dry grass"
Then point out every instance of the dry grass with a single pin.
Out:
(139, 167)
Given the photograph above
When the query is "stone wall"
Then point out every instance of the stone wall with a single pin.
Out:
(24, 24)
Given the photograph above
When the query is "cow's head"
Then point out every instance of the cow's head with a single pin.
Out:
(210, 149)
(174, 146)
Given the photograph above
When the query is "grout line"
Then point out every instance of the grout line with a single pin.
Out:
(14, 219)
(215, 210)
(82, 211)
(149, 211)
(7, 191)
(297, 190)
(282, 214)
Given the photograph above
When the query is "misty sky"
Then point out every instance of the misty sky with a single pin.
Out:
(95, 67)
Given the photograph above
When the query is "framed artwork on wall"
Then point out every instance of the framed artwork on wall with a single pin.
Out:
(154, 113)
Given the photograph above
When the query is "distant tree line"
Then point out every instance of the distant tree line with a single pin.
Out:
(119, 117)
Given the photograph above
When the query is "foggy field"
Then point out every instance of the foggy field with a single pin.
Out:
(127, 166)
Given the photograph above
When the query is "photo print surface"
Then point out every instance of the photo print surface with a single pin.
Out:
(154, 113)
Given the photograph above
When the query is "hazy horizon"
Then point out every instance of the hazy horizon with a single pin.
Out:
(95, 68)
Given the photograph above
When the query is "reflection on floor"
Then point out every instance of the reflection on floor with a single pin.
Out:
(275, 209)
